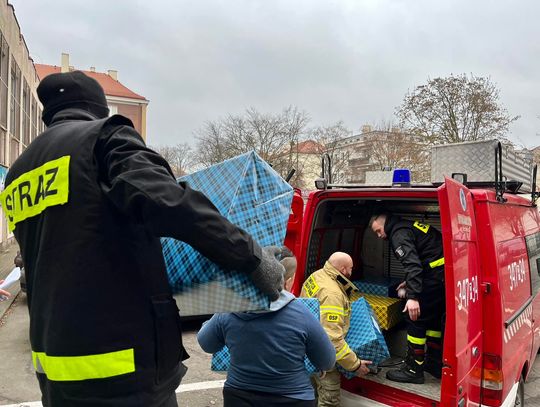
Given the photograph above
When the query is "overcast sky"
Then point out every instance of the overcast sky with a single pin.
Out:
(337, 60)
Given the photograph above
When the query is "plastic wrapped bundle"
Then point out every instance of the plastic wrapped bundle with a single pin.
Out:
(250, 194)
(221, 360)
(365, 337)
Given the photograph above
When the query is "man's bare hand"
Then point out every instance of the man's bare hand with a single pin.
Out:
(363, 369)
(413, 307)
(401, 292)
(4, 294)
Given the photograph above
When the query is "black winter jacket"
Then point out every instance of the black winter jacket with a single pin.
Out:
(88, 203)
(419, 248)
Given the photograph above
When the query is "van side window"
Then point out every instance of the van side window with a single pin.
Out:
(533, 251)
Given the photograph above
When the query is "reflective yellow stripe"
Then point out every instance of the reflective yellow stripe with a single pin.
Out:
(437, 263)
(343, 352)
(421, 227)
(74, 368)
(325, 309)
(36, 190)
(416, 341)
(434, 334)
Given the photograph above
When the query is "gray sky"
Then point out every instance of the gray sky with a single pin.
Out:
(337, 60)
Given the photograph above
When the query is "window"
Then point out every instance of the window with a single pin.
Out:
(2, 146)
(113, 109)
(26, 114)
(533, 251)
(4, 76)
(15, 107)
(35, 120)
(13, 150)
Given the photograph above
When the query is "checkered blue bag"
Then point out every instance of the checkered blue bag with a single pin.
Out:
(221, 360)
(385, 287)
(365, 337)
(249, 193)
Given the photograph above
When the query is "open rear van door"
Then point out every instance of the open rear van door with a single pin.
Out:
(462, 356)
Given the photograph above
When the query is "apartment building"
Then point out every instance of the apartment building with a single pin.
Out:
(20, 110)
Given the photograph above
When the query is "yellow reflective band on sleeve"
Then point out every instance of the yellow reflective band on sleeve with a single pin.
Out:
(416, 341)
(343, 352)
(332, 309)
(437, 263)
(421, 227)
(434, 334)
(36, 190)
(311, 287)
(76, 368)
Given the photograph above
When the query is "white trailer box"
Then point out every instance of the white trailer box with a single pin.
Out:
(477, 159)
(379, 178)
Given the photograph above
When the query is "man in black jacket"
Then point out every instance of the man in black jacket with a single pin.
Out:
(419, 248)
(88, 203)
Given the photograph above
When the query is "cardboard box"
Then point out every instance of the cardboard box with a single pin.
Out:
(249, 193)
(365, 337)
(221, 361)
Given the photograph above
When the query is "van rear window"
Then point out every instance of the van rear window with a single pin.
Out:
(533, 250)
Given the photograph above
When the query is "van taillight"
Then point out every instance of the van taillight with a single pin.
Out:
(492, 379)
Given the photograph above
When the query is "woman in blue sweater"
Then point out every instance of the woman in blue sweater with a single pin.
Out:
(267, 351)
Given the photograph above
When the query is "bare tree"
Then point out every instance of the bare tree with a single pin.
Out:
(390, 147)
(455, 109)
(329, 136)
(270, 135)
(180, 157)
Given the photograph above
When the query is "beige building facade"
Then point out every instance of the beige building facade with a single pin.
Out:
(20, 110)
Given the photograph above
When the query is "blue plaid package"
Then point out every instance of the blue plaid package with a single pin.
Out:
(365, 337)
(250, 194)
(385, 287)
(221, 360)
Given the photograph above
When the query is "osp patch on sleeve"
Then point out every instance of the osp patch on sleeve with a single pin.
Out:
(332, 317)
(399, 251)
(36, 190)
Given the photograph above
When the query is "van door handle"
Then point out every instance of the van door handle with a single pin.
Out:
(475, 351)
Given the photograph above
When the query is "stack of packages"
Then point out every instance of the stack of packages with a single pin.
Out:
(365, 337)
(250, 194)
(221, 360)
(379, 296)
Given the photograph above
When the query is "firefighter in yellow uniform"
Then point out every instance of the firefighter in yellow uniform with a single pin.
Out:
(331, 286)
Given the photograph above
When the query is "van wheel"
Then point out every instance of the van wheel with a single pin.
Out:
(520, 396)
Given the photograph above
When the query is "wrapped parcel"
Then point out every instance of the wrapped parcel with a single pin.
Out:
(250, 194)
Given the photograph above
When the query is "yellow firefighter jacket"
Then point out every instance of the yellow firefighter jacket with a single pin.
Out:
(333, 290)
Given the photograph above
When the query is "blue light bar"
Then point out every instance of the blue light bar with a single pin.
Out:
(402, 177)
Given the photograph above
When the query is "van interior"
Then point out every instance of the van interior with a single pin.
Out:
(342, 225)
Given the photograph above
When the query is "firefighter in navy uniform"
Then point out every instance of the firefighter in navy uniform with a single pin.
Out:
(419, 248)
(87, 202)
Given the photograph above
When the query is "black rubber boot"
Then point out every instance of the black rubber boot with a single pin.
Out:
(433, 363)
(412, 371)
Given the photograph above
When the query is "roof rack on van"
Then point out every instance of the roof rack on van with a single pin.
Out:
(477, 164)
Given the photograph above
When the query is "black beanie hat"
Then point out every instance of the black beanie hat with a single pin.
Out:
(60, 91)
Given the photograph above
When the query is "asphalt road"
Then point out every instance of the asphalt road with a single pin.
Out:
(200, 388)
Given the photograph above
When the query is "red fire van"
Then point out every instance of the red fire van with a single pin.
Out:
(491, 243)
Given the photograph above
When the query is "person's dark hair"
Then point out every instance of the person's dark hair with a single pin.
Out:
(60, 91)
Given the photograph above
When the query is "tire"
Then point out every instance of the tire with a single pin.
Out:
(520, 396)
